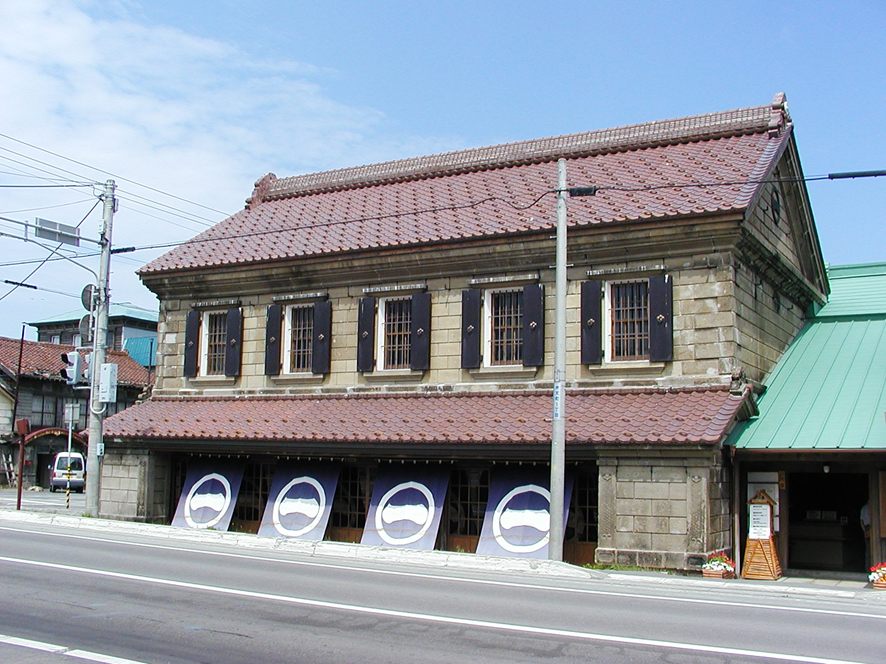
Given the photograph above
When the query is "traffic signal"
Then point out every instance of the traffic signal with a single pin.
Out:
(87, 367)
(72, 373)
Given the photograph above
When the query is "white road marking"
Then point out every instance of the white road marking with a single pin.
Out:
(62, 650)
(488, 582)
(462, 622)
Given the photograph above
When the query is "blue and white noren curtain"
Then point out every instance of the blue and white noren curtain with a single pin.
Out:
(300, 500)
(518, 514)
(407, 502)
(209, 494)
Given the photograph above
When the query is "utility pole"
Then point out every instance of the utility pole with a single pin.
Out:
(96, 407)
(558, 423)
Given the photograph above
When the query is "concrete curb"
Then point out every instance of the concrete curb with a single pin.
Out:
(786, 587)
(344, 550)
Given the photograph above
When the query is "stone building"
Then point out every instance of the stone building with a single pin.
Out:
(391, 326)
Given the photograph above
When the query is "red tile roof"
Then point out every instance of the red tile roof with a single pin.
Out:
(652, 416)
(44, 360)
(475, 193)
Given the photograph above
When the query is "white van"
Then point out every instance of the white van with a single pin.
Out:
(60, 474)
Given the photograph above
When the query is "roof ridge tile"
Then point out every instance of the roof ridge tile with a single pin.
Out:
(754, 119)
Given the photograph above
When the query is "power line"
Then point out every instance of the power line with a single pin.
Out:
(202, 221)
(832, 176)
(34, 271)
(42, 170)
(181, 213)
(119, 177)
(39, 288)
(45, 207)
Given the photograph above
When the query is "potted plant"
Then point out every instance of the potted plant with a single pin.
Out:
(719, 566)
(878, 576)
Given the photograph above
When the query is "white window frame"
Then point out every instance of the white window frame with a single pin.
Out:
(488, 295)
(381, 337)
(287, 338)
(204, 342)
(608, 352)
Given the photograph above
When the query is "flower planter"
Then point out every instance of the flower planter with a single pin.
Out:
(718, 574)
(880, 584)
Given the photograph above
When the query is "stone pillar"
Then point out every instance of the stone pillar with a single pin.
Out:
(657, 508)
(134, 486)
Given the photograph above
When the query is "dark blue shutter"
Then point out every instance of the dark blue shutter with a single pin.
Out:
(273, 343)
(661, 315)
(322, 343)
(592, 322)
(192, 343)
(533, 325)
(420, 333)
(233, 341)
(471, 300)
(366, 334)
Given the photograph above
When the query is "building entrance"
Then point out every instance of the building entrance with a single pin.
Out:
(824, 532)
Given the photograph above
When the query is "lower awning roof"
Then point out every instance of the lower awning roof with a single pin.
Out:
(827, 392)
(696, 416)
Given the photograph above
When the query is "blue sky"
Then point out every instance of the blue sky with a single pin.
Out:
(200, 98)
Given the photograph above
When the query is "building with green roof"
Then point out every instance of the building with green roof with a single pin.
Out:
(818, 445)
(130, 327)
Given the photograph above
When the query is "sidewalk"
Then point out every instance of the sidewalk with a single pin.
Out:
(797, 584)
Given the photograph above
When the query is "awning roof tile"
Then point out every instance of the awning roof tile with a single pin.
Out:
(693, 416)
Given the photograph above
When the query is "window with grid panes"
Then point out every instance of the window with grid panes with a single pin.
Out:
(352, 494)
(395, 337)
(581, 524)
(44, 411)
(629, 320)
(215, 335)
(468, 495)
(505, 320)
(178, 473)
(300, 323)
(254, 490)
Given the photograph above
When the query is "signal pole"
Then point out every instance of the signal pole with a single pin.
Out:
(100, 343)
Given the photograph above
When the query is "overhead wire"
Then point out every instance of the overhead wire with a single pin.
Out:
(473, 204)
(45, 207)
(118, 177)
(169, 209)
(46, 260)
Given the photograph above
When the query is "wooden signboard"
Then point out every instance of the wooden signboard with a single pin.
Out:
(761, 555)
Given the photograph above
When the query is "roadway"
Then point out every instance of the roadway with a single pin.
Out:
(101, 593)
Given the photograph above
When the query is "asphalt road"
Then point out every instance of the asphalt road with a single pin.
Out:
(44, 501)
(122, 598)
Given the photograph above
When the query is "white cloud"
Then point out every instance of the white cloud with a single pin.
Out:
(184, 114)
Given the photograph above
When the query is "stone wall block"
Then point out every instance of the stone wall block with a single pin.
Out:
(671, 507)
(678, 526)
(651, 524)
(634, 474)
(652, 490)
(633, 507)
(668, 474)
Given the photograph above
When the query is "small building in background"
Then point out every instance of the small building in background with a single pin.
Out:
(126, 322)
(42, 394)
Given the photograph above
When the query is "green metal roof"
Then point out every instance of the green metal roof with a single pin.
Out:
(856, 290)
(828, 391)
(116, 310)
